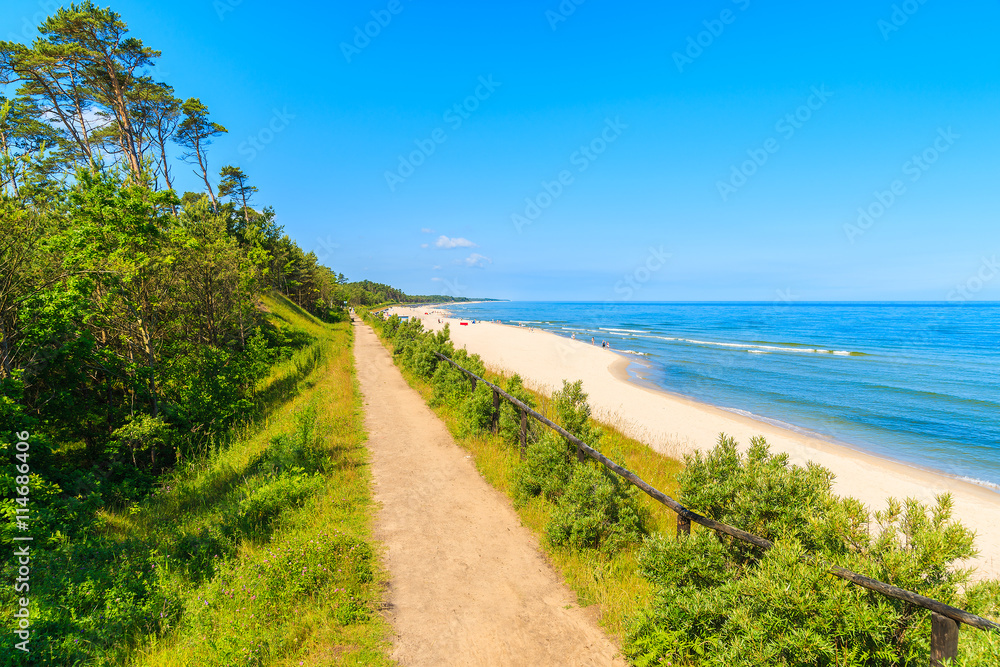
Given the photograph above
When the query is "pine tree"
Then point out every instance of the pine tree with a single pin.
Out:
(195, 134)
(234, 185)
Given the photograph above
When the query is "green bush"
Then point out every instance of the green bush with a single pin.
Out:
(718, 602)
(92, 594)
(598, 510)
(548, 465)
(546, 470)
(299, 449)
(698, 560)
(254, 515)
(759, 493)
(418, 356)
(510, 417)
(477, 410)
(980, 649)
(573, 413)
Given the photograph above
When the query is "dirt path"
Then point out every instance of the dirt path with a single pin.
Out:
(469, 586)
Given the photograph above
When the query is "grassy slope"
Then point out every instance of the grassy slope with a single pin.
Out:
(266, 547)
(613, 584)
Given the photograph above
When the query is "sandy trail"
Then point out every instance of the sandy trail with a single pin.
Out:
(468, 583)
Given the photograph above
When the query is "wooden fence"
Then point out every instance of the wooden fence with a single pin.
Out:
(944, 618)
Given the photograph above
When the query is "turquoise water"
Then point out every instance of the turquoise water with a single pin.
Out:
(914, 382)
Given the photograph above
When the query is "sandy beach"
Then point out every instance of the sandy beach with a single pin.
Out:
(674, 425)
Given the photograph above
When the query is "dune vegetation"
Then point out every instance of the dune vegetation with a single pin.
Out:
(699, 599)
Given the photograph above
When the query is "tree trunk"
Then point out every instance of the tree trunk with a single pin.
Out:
(120, 107)
(203, 163)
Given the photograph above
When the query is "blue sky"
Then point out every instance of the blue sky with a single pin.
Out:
(711, 151)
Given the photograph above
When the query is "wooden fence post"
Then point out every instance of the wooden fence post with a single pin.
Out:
(944, 640)
(580, 456)
(683, 525)
(473, 380)
(524, 435)
(495, 416)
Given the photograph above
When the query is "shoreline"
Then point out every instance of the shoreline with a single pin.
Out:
(620, 371)
(674, 424)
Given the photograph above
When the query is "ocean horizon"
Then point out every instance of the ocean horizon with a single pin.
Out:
(916, 382)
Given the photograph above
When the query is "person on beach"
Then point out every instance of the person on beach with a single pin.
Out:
(574, 336)
(592, 341)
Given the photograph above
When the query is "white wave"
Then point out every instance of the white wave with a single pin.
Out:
(627, 331)
(750, 347)
(640, 354)
(981, 482)
(772, 422)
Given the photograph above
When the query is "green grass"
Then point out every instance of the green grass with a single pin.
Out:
(613, 583)
(260, 553)
(274, 562)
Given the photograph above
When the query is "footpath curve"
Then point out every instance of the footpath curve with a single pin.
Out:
(469, 585)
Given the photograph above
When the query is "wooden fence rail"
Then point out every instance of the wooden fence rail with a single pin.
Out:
(944, 618)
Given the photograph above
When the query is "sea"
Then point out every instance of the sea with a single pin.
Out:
(913, 382)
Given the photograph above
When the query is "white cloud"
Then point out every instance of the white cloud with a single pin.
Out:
(427, 230)
(475, 259)
(445, 242)
(436, 268)
(424, 245)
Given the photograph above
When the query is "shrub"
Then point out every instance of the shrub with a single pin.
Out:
(759, 493)
(573, 412)
(720, 603)
(546, 470)
(980, 649)
(510, 417)
(597, 511)
(418, 355)
(477, 410)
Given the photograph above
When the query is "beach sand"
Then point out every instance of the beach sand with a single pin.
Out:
(675, 425)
